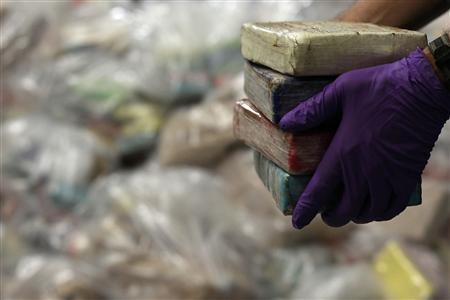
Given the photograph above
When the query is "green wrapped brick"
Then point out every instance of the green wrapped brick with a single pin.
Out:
(286, 189)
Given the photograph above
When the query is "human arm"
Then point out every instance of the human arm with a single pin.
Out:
(410, 14)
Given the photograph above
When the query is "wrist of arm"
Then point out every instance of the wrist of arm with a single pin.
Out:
(430, 57)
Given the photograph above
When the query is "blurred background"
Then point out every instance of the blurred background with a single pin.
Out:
(121, 178)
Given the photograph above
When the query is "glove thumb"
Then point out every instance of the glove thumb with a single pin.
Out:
(313, 112)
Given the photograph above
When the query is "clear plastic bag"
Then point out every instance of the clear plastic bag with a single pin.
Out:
(102, 28)
(180, 58)
(91, 90)
(356, 281)
(56, 277)
(286, 267)
(13, 248)
(54, 161)
(164, 213)
(24, 28)
(20, 34)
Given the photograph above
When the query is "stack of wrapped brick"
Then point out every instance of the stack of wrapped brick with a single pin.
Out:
(287, 63)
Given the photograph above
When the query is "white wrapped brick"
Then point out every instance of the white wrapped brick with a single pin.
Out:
(325, 48)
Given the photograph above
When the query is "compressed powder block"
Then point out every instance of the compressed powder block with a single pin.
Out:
(275, 94)
(296, 154)
(286, 189)
(325, 48)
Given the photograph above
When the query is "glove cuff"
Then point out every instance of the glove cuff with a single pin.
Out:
(426, 76)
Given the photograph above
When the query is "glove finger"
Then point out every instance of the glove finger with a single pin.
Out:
(377, 202)
(398, 204)
(314, 111)
(401, 194)
(320, 192)
(355, 188)
(353, 199)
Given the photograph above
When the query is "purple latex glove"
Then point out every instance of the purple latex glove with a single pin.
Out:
(390, 117)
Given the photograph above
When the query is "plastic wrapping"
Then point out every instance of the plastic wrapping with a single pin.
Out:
(202, 134)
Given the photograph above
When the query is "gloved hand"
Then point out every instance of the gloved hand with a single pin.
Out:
(390, 117)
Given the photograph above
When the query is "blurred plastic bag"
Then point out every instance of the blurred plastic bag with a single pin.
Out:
(108, 31)
(340, 282)
(139, 123)
(29, 31)
(13, 248)
(94, 91)
(171, 52)
(286, 267)
(363, 243)
(19, 36)
(55, 277)
(76, 86)
(202, 134)
(179, 50)
(147, 277)
(55, 161)
(164, 213)
(89, 83)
